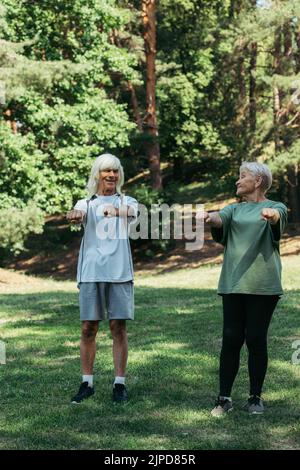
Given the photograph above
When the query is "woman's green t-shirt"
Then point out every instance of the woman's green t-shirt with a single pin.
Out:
(251, 262)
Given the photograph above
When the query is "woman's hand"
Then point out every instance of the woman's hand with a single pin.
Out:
(271, 215)
(75, 216)
(211, 218)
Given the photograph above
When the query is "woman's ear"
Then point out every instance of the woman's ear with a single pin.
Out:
(258, 182)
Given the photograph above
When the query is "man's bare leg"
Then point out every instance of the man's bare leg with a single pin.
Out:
(89, 331)
(120, 346)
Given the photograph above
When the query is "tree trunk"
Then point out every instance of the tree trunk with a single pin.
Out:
(150, 122)
(297, 54)
(135, 106)
(297, 67)
(293, 173)
(10, 121)
(287, 39)
(235, 8)
(178, 167)
(252, 91)
(276, 91)
(241, 101)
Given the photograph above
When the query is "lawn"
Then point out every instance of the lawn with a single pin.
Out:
(172, 372)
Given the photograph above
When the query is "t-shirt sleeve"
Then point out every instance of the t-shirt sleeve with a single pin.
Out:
(133, 206)
(81, 205)
(220, 234)
(279, 227)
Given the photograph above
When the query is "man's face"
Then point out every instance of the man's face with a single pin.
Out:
(247, 183)
(108, 180)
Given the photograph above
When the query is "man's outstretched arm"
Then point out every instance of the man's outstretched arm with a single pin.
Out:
(75, 216)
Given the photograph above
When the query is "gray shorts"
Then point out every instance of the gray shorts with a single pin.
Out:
(101, 300)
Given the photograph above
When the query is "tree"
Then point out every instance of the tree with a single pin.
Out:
(261, 121)
(186, 35)
(61, 100)
(150, 122)
(76, 113)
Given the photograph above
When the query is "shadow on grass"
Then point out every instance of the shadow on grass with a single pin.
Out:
(172, 377)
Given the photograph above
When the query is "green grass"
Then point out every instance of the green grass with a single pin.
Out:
(172, 372)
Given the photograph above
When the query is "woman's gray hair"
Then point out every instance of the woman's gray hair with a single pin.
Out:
(259, 169)
(106, 161)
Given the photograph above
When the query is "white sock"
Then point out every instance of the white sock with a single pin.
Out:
(89, 379)
(226, 398)
(119, 380)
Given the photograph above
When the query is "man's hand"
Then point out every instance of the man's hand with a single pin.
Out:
(75, 217)
(271, 215)
(123, 211)
(110, 211)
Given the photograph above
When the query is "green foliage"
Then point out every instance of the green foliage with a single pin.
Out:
(22, 167)
(146, 195)
(185, 72)
(67, 67)
(16, 224)
(58, 65)
(62, 73)
(290, 156)
(151, 198)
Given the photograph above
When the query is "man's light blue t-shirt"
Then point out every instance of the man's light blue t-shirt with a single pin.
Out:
(105, 254)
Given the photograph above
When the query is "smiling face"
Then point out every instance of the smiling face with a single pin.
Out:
(108, 180)
(247, 183)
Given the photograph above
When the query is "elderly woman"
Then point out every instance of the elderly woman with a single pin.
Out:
(250, 281)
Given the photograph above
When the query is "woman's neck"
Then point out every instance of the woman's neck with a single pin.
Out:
(254, 197)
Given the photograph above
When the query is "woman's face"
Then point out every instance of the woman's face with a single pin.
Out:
(247, 183)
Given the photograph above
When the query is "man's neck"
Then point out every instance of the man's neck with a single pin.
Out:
(106, 192)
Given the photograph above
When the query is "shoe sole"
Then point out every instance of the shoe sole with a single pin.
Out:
(79, 402)
(223, 414)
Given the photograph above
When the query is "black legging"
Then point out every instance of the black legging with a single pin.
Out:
(246, 317)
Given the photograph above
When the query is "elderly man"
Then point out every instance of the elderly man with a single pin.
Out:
(105, 271)
(250, 281)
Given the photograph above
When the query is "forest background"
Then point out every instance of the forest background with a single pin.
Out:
(181, 90)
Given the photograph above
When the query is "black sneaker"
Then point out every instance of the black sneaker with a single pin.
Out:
(120, 394)
(84, 392)
(222, 407)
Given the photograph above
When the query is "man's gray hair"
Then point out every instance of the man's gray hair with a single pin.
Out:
(259, 169)
(106, 161)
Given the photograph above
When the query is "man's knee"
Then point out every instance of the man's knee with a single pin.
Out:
(89, 330)
(118, 328)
